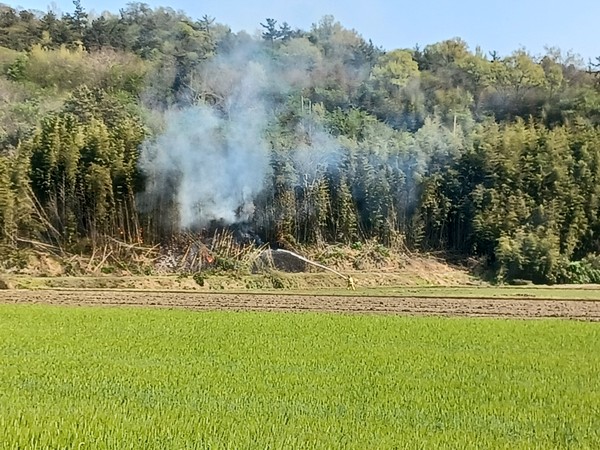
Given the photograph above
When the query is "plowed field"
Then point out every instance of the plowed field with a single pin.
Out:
(475, 307)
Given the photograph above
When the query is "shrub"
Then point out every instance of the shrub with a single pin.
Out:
(585, 271)
(4, 284)
(199, 279)
(529, 255)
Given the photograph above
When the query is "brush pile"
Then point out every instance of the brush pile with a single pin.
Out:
(221, 251)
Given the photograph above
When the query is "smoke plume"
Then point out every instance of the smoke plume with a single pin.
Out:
(212, 160)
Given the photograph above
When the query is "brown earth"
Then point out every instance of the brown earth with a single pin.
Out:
(468, 307)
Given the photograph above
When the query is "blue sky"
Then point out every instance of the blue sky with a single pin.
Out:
(503, 26)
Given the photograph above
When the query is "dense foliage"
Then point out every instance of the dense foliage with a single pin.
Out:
(448, 149)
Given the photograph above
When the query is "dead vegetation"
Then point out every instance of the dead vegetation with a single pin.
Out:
(219, 261)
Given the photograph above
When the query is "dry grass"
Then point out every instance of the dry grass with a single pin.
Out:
(220, 259)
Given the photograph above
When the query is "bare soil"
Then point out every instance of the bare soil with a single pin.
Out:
(468, 307)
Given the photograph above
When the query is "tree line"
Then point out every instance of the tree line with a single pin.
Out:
(447, 148)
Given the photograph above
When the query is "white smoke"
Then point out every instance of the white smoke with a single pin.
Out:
(211, 161)
(312, 158)
(214, 158)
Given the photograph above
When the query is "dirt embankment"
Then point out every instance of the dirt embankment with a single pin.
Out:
(471, 307)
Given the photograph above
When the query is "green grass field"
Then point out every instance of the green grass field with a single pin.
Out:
(75, 377)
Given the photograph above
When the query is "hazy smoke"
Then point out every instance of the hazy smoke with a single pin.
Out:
(312, 158)
(213, 160)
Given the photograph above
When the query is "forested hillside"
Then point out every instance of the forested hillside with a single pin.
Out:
(144, 123)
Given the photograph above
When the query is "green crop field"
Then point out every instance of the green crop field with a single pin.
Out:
(75, 377)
